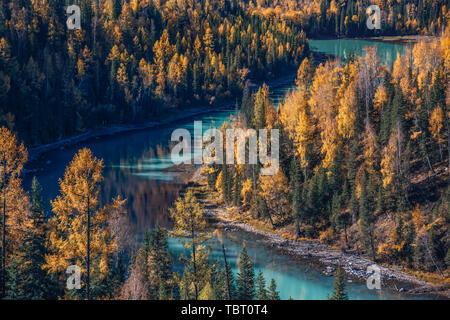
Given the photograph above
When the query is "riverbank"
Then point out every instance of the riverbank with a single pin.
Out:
(405, 40)
(408, 39)
(324, 258)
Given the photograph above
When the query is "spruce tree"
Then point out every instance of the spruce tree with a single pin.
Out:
(246, 277)
(366, 219)
(273, 293)
(37, 283)
(339, 286)
(160, 265)
(261, 291)
(237, 189)
(14, 282)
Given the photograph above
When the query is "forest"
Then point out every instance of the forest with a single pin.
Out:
(137, 61)
(364, 158)
(364, 147)
(37, 250)
(131, 61)
(347, 18)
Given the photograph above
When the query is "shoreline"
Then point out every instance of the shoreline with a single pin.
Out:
(321, 256)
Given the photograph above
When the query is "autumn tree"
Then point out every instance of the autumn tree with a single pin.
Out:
(79, 231)
(190, 223)
(275, 194)
(12, 159)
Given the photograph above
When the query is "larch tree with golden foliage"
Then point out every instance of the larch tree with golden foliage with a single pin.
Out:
(274, 190)
(324, 107)
(80, 233)
(190, 223)
(13, 156)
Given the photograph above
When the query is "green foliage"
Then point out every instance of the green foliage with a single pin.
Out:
(133, 62)
(160, 275)
(339, 286)
(245, 277)
(273, 293)
(261, 291)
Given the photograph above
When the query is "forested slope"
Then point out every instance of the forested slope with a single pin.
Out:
(131, 61)
(364, 158)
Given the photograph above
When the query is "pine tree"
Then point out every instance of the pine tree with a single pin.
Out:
(14, 282)
(261, 103)
(245, 277)
(237, 188)
(261, 291)
(160, 264)
(190, 223)
(366, 219)
(37, 284)
(339, 286)
(273, 293)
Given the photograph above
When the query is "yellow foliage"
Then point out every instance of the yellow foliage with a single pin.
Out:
(219, 183)
(324, 109)
(78, 199)
(380, 98)
(246, 191)
(327, 236)
(274, 189)
(437, 123)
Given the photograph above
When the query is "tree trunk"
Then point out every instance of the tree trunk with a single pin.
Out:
(195, 263)
(4, 238)
(226, 272)
(346, 237)
(4, 182)
(88, 256)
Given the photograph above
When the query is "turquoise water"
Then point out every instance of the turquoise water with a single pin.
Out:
(387, 52)
(136, 166)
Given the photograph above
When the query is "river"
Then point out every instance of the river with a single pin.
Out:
(135, 168)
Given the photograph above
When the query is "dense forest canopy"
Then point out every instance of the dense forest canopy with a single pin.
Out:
(133, 61)
(130, 61)
(347, 18)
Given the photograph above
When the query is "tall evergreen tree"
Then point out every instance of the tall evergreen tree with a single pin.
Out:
(339, 286)
(246, 277)
(261, 291)
(273, 293)
(160, 265)
(37, 284)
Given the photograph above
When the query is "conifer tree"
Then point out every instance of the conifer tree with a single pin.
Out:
(366, 219)
(245, 277)
(190, 223)
(261, 291)
(12, 159)
(159, 264)
(79, 232)
(339, 286)
(37, 284)
(273, 293)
